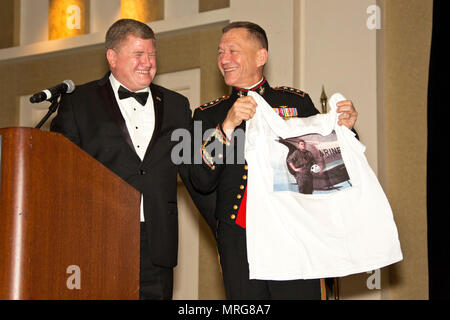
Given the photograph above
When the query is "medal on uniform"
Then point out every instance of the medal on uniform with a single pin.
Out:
(285, 112)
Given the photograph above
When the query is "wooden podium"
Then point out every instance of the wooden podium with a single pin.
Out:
(69, 227)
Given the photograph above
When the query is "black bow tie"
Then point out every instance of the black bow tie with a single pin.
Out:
(140, 97)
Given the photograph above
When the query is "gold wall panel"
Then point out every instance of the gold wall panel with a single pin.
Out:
(208, 5)
(142, 10)
(68, 18)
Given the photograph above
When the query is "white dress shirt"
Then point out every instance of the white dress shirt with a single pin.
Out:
(139, 119)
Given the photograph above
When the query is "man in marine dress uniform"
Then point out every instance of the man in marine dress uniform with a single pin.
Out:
(243, 52)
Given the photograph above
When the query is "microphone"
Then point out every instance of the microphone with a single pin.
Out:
(67, 86)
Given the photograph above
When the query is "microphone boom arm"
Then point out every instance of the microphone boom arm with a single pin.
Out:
(53, 107)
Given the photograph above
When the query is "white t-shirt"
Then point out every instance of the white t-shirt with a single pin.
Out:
(344, 226)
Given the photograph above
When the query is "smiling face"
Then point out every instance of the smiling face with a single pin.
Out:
(240, 58)
(133, 62)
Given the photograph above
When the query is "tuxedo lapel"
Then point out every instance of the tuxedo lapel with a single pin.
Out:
(107, 96)
(158, 105)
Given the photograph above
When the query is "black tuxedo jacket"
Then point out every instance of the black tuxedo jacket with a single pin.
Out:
(90, 117)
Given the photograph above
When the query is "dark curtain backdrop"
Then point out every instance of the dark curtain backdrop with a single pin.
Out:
(438, 160)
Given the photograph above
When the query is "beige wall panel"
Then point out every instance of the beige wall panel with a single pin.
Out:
(407, 49)
(27, 76)
(192, 50)
(277, 19)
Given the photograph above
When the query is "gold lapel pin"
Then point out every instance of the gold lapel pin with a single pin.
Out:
(261, 91)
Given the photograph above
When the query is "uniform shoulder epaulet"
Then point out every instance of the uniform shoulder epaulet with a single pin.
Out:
(291, 90)
(212, 103)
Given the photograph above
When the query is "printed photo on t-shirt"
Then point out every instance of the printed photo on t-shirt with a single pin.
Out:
(309, 164)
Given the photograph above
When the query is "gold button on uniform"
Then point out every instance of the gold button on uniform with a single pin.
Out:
(244, 177)
(235, 207)
(238, 196)
(246, 167)
(233, 216)
(241, 187)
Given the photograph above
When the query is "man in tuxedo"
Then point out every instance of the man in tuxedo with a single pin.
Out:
(125, 121)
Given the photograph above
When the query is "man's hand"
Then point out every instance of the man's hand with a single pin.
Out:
(243, 109)
(348, 114)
